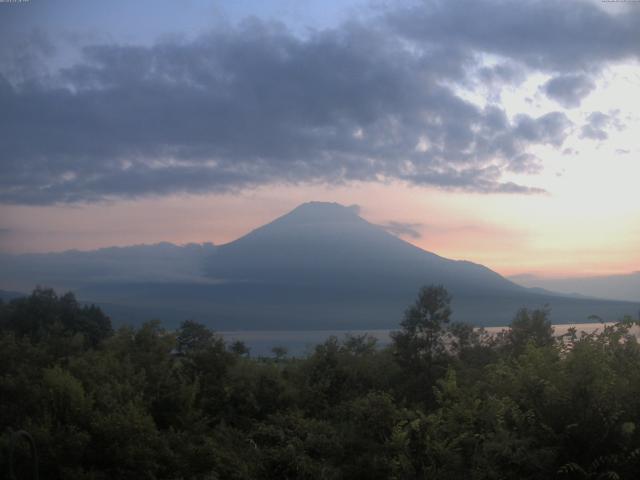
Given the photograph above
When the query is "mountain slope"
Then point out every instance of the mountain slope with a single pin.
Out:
(323, 244)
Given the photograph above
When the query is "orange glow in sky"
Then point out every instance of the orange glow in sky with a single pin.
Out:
(544, 234)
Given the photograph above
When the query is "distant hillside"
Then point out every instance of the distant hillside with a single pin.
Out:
(614, 287)
(8, 295)
(75, 269)
(320, 266)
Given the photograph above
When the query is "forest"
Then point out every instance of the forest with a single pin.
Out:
(442, 401)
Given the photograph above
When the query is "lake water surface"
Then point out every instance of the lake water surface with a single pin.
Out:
(301, 342)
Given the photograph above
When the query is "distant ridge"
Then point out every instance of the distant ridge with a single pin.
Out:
(74, 269)
(9, 295)
(613, 287)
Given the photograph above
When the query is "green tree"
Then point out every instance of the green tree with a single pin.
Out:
(420, 347)
(279, 352)
(239, 348)
(530, 327)
(43, 315)
(193, 336)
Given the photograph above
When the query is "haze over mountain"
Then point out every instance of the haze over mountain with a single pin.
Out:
(321, 266)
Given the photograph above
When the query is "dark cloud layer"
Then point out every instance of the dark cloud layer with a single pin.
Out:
(564, 36)
(569, 90)
(255, 104)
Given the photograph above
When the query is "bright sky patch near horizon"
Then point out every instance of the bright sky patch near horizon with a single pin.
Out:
(512, 142)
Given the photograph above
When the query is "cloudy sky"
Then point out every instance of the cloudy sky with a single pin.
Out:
(502, 132)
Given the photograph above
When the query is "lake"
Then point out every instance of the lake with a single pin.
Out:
(302, 342)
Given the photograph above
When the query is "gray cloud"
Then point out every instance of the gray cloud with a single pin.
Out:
(543, 34)
(411, 230)
(23, 55)
(548, 129)
(503, 73)
(598, 123)
(569, 90)
(255, 104)
(525, 163)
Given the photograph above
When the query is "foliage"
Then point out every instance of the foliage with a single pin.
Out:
(531, 327)
(442, 401)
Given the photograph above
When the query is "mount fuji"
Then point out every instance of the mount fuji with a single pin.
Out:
(321, 266)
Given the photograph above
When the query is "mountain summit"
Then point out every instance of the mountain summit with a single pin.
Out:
(320, 212)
